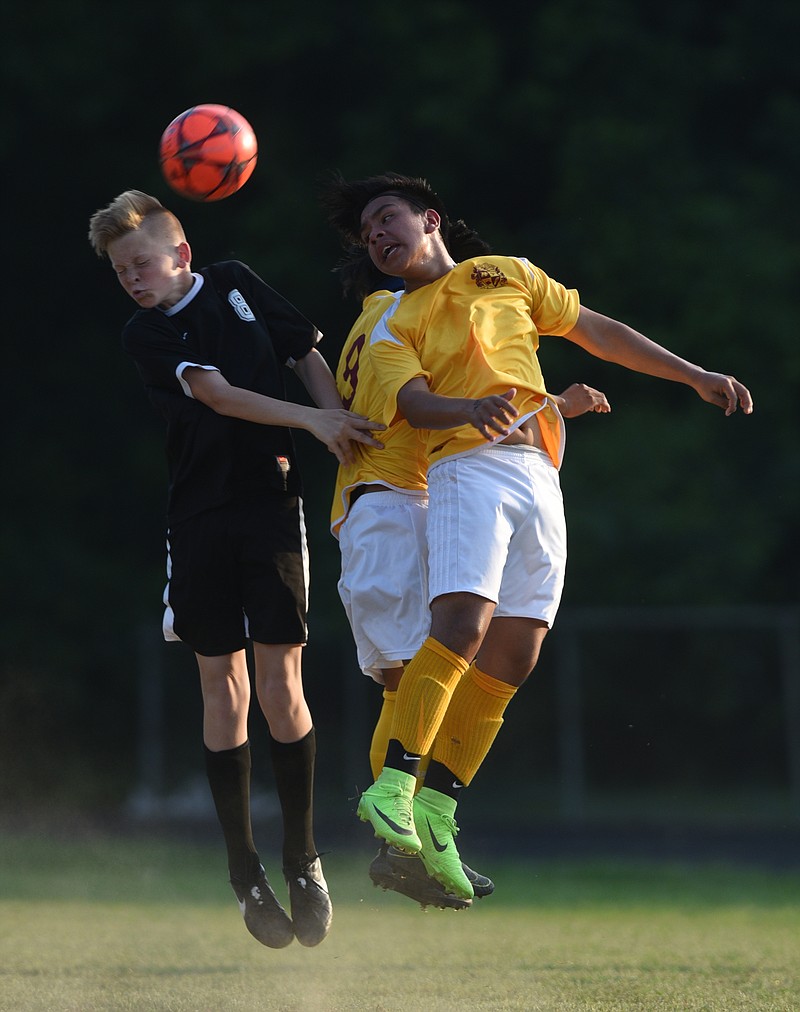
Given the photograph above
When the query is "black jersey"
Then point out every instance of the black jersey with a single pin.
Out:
(233, 322)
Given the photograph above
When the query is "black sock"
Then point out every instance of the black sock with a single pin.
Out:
(228, 775)
(398, 758)
(439, 778)
(293, 767)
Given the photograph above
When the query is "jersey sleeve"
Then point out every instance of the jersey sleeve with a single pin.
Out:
(159, 357)
(292, 334)
(396, 361)
(554, 308)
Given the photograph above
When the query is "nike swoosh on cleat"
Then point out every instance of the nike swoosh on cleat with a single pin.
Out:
(441, 847)
(456, 785)
(395, 852)
(410, 758)
(392, 824)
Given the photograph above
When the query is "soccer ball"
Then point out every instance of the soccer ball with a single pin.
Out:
(208, 152)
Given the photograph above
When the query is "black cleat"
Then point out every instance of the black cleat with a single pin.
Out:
(264, 917)
(312, 912)
(482, 885)
(405, 874)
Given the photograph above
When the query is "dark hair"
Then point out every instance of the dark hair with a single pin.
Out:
(344, 202)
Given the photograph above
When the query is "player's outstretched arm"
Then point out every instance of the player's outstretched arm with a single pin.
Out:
(724, 391)
(339, 429)
(423, 409)
(314, 373)
(335, 427)
(579, 399)
(616, 342)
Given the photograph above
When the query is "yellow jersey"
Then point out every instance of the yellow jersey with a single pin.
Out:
(401, 464)
(472, 333)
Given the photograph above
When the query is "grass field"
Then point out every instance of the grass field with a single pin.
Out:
(104, 923)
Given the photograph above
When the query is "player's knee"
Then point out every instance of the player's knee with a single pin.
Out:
(459, 621)
(512, 671)
(510, 650)
(524, 661)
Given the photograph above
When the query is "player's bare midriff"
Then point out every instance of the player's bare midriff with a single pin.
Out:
(528, 434)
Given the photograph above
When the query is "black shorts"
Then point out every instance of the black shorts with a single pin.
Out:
(238, 572)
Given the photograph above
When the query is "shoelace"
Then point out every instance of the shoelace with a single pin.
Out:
(404, 807)
(450, 822)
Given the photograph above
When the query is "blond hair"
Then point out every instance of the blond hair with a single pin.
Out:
(129, 212)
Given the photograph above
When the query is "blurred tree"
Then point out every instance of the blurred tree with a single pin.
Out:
(647, 156)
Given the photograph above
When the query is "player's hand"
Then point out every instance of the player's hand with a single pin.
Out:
(339, 429)
(579, 399)
(492, 415)
(724, 391)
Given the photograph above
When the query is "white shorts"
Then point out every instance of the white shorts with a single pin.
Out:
(384, 581)
(496, 528)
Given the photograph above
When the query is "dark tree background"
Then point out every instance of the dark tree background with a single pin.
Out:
(646, 155)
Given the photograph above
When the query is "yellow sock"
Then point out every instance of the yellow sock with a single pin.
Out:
(380, 736)
(471, 723)
(424, 695)
(380, 740)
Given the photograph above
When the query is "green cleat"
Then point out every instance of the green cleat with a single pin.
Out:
(433, 818)
(388, 805)
(405, 874)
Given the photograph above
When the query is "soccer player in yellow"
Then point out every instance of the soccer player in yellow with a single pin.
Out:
(383, 583)
(457, 357)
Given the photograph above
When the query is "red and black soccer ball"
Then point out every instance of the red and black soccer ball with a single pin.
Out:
(208, 152)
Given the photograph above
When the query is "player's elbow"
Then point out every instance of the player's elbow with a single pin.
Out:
(413, 414)
(412, 404)
(220, 405)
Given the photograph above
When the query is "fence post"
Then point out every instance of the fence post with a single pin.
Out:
(790, 654)
(570, 722)
(356, 734)
(150, 753)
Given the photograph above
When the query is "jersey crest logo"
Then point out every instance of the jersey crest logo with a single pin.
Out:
(488, 276)
(243, 311)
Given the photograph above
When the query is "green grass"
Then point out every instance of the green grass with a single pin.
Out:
(102, 923)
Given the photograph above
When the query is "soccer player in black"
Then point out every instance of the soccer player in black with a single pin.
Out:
(209, 346)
